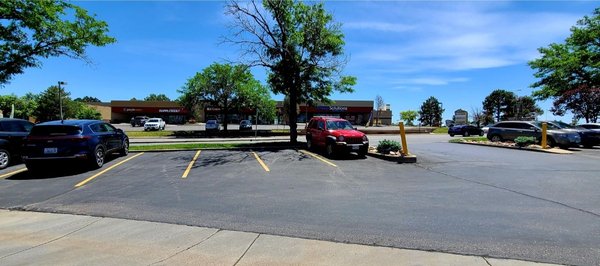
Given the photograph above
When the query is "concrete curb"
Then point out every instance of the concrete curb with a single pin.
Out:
(552, 151)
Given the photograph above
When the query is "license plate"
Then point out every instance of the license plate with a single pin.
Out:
(50, 150)
(355, 148)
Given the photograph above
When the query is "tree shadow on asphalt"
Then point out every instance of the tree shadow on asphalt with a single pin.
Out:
(59, 169)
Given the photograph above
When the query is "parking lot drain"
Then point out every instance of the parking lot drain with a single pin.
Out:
(318, 157)
(12, 173)
(187, 170)
(264, 166)
(105, 170)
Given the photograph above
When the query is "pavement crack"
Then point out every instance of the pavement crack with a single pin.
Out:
(510, 190)
(53, 240)
(486, 261)
(186, 249)
(246, 251)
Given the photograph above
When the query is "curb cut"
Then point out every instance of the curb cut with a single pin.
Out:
(564, 152)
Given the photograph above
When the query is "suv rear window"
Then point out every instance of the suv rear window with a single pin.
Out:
(55, 130)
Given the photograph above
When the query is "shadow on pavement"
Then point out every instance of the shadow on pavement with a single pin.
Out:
(58, 169)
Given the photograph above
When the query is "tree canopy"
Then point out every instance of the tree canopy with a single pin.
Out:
(48, 107)
(23, 106)
(569, 72)
(499, 105)
(431, 112)
(156, 97)
(88, 99)
(409, 116)
(34, 29)
(227, 87)
(299, 45)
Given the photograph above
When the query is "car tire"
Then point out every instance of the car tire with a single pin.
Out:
(4, 158)
(451, 135)
(481, 133)
(98, 156)
(330, 150)
(466, 134)
(550, 142)
(309, 144)
(496, 138)
(124, 148)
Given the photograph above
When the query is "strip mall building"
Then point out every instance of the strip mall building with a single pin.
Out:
(357, 112)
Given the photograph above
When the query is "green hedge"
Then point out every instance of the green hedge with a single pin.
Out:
(523, 141)
(386, 146)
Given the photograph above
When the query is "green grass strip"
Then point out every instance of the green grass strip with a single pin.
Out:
(136, 134)
(476, 139)
(440, 130)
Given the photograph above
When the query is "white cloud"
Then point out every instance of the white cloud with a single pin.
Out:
(378, 26)
(431, 81)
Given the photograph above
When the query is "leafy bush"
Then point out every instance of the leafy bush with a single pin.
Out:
(386, 146)
(524, 141)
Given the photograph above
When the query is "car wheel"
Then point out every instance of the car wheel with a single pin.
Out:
(124, 148)
(4, 158)
(496, 138)
(481, 133)
(466, 134)
(98, 157)
(451, 135)
(330, 150)
(550, 142)
(309, 144)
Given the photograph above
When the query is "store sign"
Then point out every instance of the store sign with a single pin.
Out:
(132, 109)
(333, 108)
(169, 110)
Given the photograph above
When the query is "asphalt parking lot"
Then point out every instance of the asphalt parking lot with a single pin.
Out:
(458, 198)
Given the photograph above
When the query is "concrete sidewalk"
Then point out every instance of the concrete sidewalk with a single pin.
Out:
(62, 239)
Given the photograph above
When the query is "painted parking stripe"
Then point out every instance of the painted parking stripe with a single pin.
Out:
(187, 170)
(318, 157)
(106, 170)
(13, 173)
(264, 166)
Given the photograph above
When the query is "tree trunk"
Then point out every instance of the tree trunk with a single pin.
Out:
(293, 115)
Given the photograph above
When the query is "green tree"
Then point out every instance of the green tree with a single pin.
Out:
(35, 29)
(409, 116)
(500, 105)
(48, 106)
(299, 45)
(22, 106)
(88, 99)
(526, 108)
(220, 85)
(569, 72)
(431, 112)
(156, 97)
(83, 111)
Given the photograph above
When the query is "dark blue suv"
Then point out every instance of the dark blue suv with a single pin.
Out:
(86, 140)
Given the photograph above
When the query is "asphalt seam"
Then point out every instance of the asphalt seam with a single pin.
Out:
(53, 240)
(190, 247)
(510, 190)
(246, 251)
(486, 261)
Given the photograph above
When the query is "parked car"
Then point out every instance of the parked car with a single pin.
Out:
(589, 138)
(245, 125)
(154, 124)
(486, 128)
(465, 130)
(85, 140)
(12, 133)
(212, 125)
(138, 120)
(591, 126)
(509, 130)
(336, 135)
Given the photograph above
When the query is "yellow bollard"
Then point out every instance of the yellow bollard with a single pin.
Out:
(544, 137)
(403, 137)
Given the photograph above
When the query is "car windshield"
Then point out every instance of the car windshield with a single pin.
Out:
(550, 126)
(245, 122)
(154, 120)
(341, 124)
(211, 122)
(55, 130)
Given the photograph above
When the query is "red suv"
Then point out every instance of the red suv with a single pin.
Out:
(336, 135)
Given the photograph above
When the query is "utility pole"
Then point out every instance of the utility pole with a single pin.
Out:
(60, 99)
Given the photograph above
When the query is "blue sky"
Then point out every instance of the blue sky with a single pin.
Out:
(405, 51)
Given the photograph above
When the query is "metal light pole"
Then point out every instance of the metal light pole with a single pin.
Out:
(60, 98)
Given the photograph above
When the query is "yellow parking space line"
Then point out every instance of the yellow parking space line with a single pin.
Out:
(318, 157)
(105, 170)
(13, 173)
(264, 166)
(187, 170)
